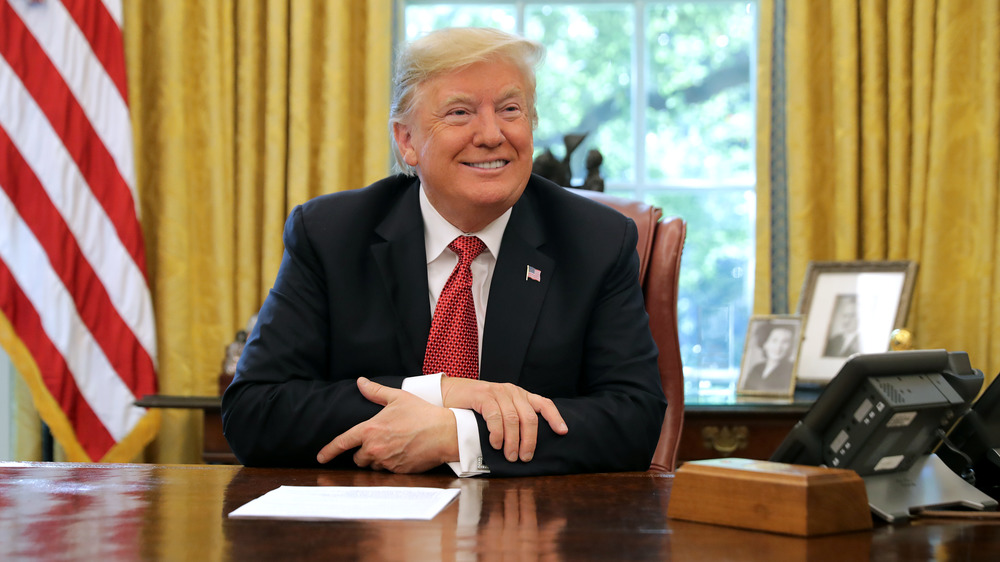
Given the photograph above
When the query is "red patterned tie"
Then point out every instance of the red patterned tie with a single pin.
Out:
(453, 344)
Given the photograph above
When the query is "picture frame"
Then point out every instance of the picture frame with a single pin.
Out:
(850, 307)
(770, 354)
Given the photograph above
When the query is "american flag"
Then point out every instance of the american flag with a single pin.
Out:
(76, 315)
(533, 274)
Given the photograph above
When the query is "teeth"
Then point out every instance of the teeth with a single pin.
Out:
(488, 165)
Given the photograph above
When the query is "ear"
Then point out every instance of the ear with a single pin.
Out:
(404, 140)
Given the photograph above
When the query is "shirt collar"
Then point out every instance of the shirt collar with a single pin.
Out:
(438, 232)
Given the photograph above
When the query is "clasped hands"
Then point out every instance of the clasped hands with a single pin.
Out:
(412, 435)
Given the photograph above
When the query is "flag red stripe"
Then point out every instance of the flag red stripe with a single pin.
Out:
(40, 77)
(104, 37)
(120, 345)
(93, 436)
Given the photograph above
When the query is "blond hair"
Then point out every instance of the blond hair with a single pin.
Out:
(448, 50)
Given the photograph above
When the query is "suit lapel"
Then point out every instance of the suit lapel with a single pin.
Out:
(515, 300)
(402, 262)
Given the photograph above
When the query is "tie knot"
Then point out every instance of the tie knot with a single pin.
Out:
(467, 248)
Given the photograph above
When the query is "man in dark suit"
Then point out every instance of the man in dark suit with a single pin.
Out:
(334, 362)
(843, 340)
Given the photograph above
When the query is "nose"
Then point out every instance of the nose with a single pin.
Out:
(489, 132)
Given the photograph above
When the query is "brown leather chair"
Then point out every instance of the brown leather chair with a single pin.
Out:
(661, 241)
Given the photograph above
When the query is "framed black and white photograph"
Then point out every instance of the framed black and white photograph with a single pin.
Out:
(850, 307)
(769, 356)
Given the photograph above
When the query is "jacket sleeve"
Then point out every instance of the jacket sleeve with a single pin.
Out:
(285, 402)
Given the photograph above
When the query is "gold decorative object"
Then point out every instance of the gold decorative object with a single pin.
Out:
(725, 440)
(901, 339)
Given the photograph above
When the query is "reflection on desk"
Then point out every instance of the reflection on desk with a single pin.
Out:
(178, 512)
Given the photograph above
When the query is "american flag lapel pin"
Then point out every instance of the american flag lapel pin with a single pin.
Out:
(533, 274)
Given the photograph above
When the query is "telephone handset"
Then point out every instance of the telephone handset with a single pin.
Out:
(972, 449)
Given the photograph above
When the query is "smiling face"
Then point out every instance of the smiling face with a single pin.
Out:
(778, 343)
(846, 316)
(469, 138)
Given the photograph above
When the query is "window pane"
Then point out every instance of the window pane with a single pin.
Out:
(700, 118)
(422, 18)
(585, 83)
(716, 284)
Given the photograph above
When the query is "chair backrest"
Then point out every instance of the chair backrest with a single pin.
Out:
(660, 244)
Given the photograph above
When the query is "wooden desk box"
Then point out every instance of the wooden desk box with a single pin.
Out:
(767, 496)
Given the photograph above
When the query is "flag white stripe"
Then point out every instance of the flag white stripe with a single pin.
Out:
(44, 152)
(56, 31)
(108, 396)
(115, 9)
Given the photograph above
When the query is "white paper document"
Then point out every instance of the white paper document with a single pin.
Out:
(317, 503)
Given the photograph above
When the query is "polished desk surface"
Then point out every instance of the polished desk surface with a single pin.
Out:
(178, 512)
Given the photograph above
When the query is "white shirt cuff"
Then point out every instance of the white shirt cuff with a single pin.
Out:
(427, 387)
(470, 451)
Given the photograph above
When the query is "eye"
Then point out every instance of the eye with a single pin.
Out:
(511, 111)
(458, 115)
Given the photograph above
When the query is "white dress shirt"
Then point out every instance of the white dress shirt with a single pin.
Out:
(438, 233)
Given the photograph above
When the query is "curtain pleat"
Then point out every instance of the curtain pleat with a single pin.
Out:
(261, 108)
(771, 237)
(810, 87)
(900, 137)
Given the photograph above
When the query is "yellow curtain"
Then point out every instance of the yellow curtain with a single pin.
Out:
(240, 111)
(892, 128)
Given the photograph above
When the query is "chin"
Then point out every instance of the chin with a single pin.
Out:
(506, 194)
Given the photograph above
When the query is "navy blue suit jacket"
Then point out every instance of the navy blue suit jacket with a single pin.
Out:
(351, 299)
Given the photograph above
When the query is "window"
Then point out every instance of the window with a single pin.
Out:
(665, 91)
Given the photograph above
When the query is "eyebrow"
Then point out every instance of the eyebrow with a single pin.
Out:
(510, 92)
(457, 99)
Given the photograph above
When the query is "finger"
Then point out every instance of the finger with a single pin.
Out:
(375, 392)
(528, 428)
(343, 442)
(494, 423)
(548, 410)
(511, 428)
(363, 459)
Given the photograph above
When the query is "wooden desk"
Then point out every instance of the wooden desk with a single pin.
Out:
(178, 512)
